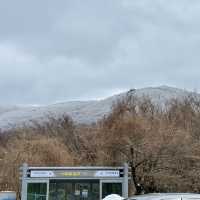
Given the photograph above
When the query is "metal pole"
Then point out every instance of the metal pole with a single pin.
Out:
(24, 190)
(125, 181)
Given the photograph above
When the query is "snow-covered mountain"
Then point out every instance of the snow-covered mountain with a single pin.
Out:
(80, 111)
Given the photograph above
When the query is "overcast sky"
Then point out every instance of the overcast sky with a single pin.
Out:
(64, 50)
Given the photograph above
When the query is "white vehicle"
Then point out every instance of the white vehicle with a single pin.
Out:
(7, 195)
(166, 196)
(113, 197)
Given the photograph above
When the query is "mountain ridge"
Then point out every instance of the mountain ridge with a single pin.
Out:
(82, 112)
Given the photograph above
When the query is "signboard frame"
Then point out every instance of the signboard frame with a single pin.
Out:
(97, 174)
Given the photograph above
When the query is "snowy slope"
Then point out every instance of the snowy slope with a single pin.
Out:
(80, 111)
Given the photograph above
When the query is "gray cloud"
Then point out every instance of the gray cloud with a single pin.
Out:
(63, 50)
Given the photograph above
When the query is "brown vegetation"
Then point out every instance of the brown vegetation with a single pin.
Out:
(161, 145)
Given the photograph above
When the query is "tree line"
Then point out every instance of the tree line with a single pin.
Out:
(161, 144)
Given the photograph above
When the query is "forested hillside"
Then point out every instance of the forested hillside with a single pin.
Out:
(161, 144)
(82, 112)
